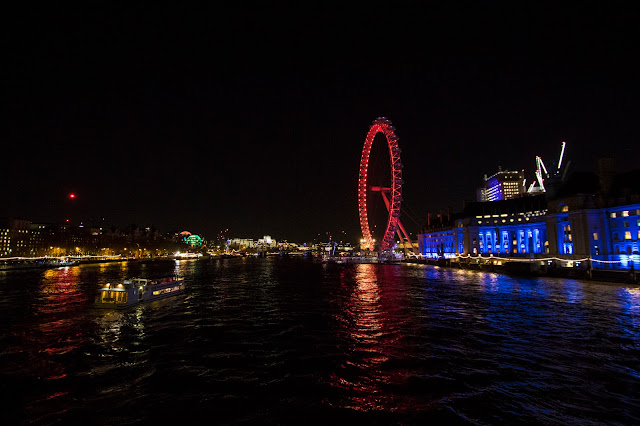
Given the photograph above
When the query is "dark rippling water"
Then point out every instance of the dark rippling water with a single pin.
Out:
(291, 341)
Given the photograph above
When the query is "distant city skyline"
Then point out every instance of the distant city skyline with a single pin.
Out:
(256, 124)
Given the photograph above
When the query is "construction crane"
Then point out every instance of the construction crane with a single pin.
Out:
(561, 155)
(541, 163)
(540, 179)
(540, 167)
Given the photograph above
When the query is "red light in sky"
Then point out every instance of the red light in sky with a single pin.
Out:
(72, 195)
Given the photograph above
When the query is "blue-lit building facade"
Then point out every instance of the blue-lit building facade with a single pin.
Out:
(503, 185)
(575, 227)
(624, 225)
(442, 243)
(514, 227)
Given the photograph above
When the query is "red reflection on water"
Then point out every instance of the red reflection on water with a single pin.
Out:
(372, 318)
(59, 291)
(60, 295)
(56, 395)
(62, 376)
(39, 350)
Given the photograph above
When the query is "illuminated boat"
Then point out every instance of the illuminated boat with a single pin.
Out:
(136, 290)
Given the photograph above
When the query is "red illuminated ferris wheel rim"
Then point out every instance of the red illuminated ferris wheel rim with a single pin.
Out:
(384, 126)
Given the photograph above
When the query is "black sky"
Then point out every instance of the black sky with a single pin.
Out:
(253, 119)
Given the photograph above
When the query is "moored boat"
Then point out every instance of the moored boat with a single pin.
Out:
(135, 290)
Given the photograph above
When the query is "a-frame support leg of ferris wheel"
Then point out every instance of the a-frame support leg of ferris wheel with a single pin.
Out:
(384, 192)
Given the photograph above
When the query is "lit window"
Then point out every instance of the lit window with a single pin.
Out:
(595, 236)
(613, 215)
(625, 213)
(627, 235)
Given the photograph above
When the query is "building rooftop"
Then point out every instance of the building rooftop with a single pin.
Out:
(510, 206)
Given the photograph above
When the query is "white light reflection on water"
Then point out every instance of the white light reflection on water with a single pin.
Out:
(111, 322)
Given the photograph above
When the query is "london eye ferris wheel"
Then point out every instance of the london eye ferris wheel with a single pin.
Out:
(391, 194)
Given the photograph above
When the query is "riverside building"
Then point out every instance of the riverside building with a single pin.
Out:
(19, 237)
(585, 219)
(503, 185)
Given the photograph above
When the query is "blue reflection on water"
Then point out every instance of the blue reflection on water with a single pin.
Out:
(573, 290)
(281, 340)
(630, 321)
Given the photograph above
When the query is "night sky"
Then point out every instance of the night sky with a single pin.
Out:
(253, 119)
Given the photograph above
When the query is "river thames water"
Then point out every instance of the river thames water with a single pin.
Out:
(290, 341)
